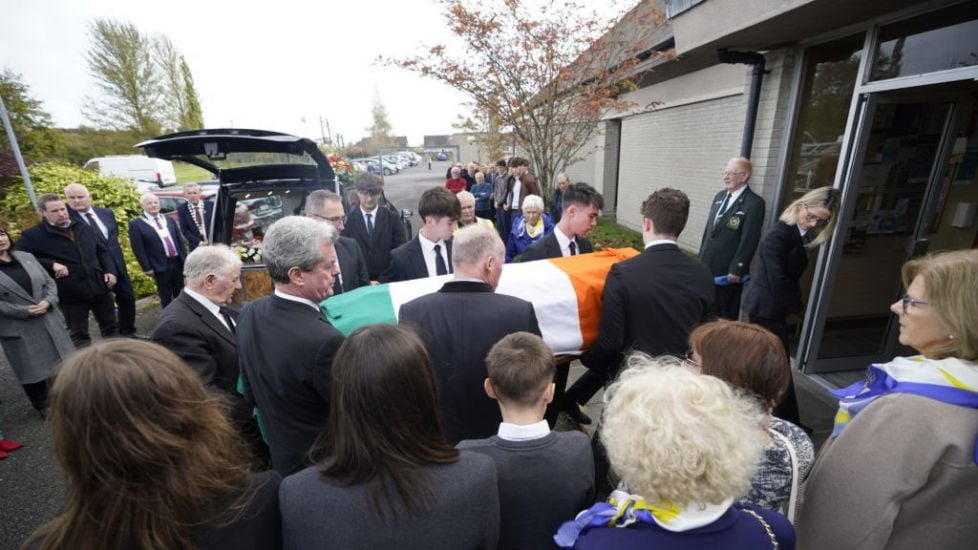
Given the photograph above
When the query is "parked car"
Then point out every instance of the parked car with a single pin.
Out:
(441, 157)
(397, 161)
(263, 177)
(144, 172)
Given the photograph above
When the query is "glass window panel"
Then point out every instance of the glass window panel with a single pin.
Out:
(829, 78)
(940, 40)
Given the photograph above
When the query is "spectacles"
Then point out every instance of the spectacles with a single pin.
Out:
(733, 174)
(908, 301)
(334, 219)
(688, 359)
(812, 218)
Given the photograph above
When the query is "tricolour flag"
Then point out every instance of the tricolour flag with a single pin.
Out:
(565, 293)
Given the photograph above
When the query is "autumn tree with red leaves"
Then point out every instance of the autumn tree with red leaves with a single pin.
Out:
(546, 71)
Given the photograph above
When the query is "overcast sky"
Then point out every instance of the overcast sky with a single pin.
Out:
(276, 65)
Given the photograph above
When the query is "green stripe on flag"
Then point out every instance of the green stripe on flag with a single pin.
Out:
(363, 306)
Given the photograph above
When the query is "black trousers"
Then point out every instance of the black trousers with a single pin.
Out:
(584, 388)
(125, 301)
(787, 408)
(169, 282)
(76, 317)
(727, 305)
(560, 384)
(37, 393)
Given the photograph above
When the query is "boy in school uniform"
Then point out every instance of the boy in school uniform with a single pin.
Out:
(544, 477)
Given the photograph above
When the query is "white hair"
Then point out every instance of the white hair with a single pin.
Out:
(145, 196)
(473, 243)
(677, 436)
(215, 258)
(294, 241)
(531, 201)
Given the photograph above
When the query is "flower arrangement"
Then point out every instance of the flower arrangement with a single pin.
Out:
(345, 171)
(250, 252)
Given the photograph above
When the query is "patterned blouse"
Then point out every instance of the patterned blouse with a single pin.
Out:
(771, 485)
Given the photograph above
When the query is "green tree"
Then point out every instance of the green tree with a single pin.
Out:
(380, 130)
(113, 193)
(193, 115)
(121, 61)
(181, 107)
(38, 141)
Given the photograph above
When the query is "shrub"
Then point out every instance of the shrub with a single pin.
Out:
(611, 235)
(112, 193)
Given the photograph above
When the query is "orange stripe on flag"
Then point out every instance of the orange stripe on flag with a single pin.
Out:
(587, 273)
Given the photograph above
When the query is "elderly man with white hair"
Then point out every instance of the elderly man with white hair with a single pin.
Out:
(468, 217)
(460, 323)
(285, 344)
(156, 242)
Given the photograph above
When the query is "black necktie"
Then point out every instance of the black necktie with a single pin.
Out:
(93, 223)
(227, 319)
(440, 268)
(573, 248)
(722, 209)
(370, 224)
(337, 286)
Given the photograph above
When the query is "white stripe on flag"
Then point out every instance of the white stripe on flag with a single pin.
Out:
(554, 299)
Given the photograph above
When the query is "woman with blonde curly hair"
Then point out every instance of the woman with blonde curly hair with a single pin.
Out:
(151, 459)
(687, 445)
(900, 469)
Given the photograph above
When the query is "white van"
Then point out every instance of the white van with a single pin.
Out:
(144, 172)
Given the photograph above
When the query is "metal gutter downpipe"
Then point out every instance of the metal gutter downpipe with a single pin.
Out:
(754, 96)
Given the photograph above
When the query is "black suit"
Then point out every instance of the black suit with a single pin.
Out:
(388, 234)
(650, 303)
(191, 331)
(85, 254)
(353, 268)
(729, 243)
(459, 324)
(286, 351)
(775, 293)
(151, 254)
(407, 262)
(548, 247)
(125, 297)
(188, 225)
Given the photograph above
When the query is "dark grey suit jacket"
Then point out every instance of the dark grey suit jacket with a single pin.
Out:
(729, 244)
(407, 262)
(352, 265)
(650, 303)
(286, 351)
(377, 246)
(186, 328)
(459, 324)
(774, 292)
(548, 247)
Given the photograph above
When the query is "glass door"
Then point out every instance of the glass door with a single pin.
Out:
(893, 193)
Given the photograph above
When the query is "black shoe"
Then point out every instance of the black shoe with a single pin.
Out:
(573, 410)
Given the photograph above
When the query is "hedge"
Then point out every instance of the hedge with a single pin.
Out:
(115, 194)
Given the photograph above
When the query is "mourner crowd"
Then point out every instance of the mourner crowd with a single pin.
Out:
(267, 428)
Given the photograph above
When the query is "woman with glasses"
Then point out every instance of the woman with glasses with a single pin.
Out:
(899, 470)
(528, 228)
(775, 292)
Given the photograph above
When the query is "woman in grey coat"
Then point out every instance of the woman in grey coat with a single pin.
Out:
(32, 330)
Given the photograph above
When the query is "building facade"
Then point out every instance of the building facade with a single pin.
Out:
(876, 98)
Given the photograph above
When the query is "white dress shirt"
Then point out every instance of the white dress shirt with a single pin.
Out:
(516, 432)
(209, 305)
(298, 299)
(98, 222)
(428, 250)
(564, 242)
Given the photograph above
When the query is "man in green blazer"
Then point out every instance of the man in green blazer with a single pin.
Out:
(730, 238)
